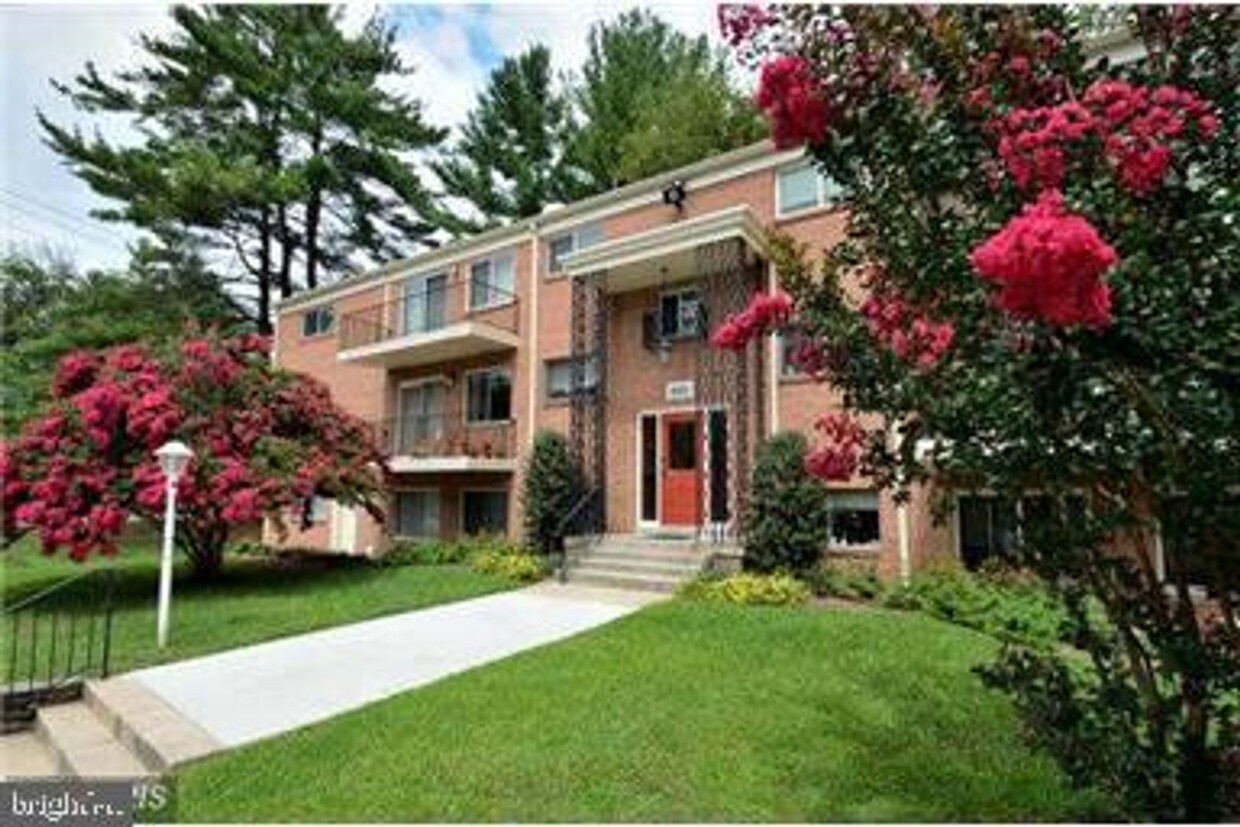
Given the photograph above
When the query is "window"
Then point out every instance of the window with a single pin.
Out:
(853, 519)
(682, 442)
(484, 512)
(318, 509)
(417, 513)
(425, 300)
(488, 396)
(578, 239)
(560, 377)
(987, 528)
(491, 282)
(788, 344)
(680, 315)
(421, 423)
(803, 188)
(318, 322)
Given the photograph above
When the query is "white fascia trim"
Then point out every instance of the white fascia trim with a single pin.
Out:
(446, 465)
(452, 332)
(733, 222)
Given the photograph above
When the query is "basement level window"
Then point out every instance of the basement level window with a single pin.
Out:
(318, 322)
(853, 519)
(417, 513)
(484, 512)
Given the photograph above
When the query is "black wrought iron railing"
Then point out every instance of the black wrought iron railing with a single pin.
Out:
(432, 308)
(57, 639)
(581, 519)
(446, 435)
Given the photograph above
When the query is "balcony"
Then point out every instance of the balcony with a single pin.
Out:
(433, 324)
(443, 443)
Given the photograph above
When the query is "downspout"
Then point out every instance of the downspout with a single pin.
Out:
(773, 363)
(534, 373)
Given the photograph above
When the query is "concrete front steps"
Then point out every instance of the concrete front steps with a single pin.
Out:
(645, 562)
(118, 730)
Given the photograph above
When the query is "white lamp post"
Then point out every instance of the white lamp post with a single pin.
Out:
(173, 457)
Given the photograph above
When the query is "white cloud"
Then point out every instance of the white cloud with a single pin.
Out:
(43, 203)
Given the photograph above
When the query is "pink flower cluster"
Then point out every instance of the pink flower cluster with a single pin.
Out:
(792, 98)
(1137, 127)
(909, 335)
(766, 311)
(263, 441)
(839, 456)
(738, 22)
(1048, 265)
(1033, 142)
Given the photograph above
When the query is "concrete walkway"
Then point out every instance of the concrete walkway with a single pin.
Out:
(246, 694)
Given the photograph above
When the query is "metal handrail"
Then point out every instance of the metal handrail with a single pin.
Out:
(446, 435)
(55, 644)
(387, 319)
(562, 527)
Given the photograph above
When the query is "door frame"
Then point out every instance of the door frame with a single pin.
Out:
(703, 411)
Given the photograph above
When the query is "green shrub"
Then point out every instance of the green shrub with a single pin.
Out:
(748, 589)
(785, 525)
(518, 566)
(551, 488)
(1008, 606)
(844, 579)
(425, 553)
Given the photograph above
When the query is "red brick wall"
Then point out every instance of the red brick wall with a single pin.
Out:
(637, 378)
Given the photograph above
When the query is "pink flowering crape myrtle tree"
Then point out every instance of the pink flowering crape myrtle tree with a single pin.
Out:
(1046, 245)
(265, 441)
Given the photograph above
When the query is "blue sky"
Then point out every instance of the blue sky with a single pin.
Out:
(453, 47)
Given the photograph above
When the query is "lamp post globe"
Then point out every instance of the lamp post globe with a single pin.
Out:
(173, 459)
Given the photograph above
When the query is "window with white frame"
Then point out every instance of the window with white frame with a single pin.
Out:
(417, 513)
(853, 519)
(318, 509)
(491, 282)
(561, 376)
(570, 242)
(788, 344)
(680, 315)
(802, 188)
(488, 396)
(318, 322)
(484, 512)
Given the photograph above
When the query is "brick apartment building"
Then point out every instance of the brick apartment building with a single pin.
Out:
(588, 320)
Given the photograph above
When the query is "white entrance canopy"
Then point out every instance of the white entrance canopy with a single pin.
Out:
(666, 253)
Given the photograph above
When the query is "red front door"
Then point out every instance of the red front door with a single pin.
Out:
(682, 476)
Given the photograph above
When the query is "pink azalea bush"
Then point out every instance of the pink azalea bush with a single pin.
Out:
(264, 442)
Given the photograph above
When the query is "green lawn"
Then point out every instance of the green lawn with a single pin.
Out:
(682, 712)
(254, 599)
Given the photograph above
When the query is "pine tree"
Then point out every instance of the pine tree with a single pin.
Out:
(651, 99)
(266, 136)
(510, 160)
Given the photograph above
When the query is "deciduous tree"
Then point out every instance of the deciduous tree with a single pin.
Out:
(1048, 243)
